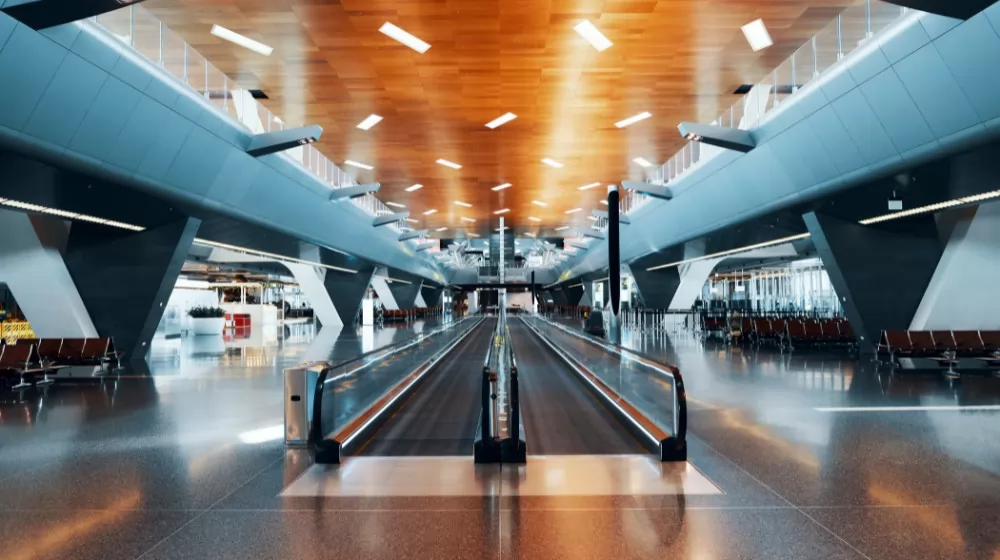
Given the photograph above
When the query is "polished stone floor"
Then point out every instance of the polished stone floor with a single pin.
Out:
(186, 463)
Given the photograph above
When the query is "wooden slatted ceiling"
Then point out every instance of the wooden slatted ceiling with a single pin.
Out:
(678, 59)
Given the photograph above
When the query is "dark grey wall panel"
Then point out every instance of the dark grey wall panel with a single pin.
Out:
(126, 277)
(574, 294)
(879, 273)
(432, 295)
(658, 287)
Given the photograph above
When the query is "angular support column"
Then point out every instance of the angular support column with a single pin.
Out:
(404, 288)
(381, 287)
(879, 273)
(125, 277)
(312, 282)
(347, 290)
(33, 268)
(574, 294)
(432, 295)
(588, 294)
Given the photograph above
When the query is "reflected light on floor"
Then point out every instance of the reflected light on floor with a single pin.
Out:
(69, 532)
(263, 435)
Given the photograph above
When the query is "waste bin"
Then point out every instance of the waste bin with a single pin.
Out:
(300, 387)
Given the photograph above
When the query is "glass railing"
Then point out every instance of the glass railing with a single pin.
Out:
(851, 29)
(350, 393)
(138, 28)
(653, 389)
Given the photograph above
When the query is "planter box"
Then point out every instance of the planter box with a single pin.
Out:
(208, 326)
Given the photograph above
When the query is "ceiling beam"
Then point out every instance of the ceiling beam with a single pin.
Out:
(721, 136)
(356, 191)
(387, 219)
(649, 189)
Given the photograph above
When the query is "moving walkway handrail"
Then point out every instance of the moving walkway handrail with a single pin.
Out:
(315, 430)
(672, 371)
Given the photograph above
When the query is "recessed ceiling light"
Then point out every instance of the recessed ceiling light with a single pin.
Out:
(441, 229)
(404, 37)
(360, 165)
(501, 187)
(501, 120)
(431, 211)
(633, 119)
(502, 211)
(552, 163)
(370, 121)
(534, 219)
(467, 219)
(643, 162)
(593, 35)
(412, 220)
(245, 42)
(573, 210)
(464, 204)
(530, 234)
(396, 204)
(539, 203)
(757, 35)
(412, 188)
(604, 202)
(561, 228)
(589, 186)
(450, 164)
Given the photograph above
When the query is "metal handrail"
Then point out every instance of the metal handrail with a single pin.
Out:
(314, 431)
(672, 371)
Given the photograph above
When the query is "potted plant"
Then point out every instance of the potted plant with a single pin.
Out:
(207, 320)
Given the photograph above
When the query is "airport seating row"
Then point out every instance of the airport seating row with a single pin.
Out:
(930, 344)
(403, 315)
(29, 358)
(786, 332)
(566, 310)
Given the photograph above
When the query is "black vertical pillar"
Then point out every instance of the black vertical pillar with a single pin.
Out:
(614, 257)
(346, 289)
(533, 288)
(125, 277)
(880, 272)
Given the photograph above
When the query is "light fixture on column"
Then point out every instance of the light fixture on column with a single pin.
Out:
(356, 191)
(648, 189)
(722, 136)
(280, 140)
(387, 219)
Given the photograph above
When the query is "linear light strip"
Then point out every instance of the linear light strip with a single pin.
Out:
(501, 120)
(412, 188)
(265, 254)
(404, 37)
(593, 35)
(501, 187)
(949, 408)
(447, 163)
(68, 215)
(732, 251)
(633, 119)
(370, 121)
(932, 207)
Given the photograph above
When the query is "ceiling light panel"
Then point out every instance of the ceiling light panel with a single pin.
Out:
(757, 35)
(412, 220)
(359, 165)
(502, 211)
(573, 210)
(593, 35)
(539, 203)
(412, 188)
(431, 211)
(589, 186)
(552, 163)
(462, 204)
(534, 219)
(501, 120)
(405, 37)
(643, 162)
(447, 163)
(562, 228)
(245, 42)
(501, 187)
(395, 204)
(633, 119)
(467, 219)
(370, 121)
(441, 229)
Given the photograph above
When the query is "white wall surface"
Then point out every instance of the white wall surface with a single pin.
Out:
(964, 293)
(40, 282)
